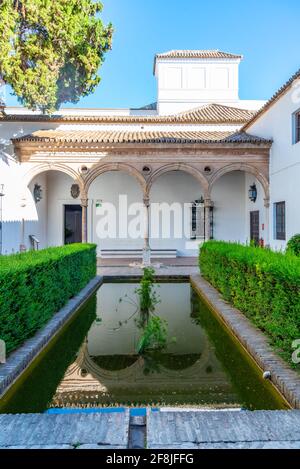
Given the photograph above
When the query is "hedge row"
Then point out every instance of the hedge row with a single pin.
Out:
(263, 284)
(35, 285)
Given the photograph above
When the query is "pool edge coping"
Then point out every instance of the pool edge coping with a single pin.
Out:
(21, 359)
(254, 341)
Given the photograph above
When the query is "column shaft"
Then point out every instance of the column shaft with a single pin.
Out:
(146, 249)
(207, 206)
(84, 205)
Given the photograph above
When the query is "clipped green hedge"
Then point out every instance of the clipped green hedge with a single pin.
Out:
(263, 284)
(35, 285)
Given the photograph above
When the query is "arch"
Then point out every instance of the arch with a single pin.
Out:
(180, 167)
(242, 167)
(44, 167)
(108, 167)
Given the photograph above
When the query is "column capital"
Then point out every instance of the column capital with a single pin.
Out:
(84, 202)
(146, 201)
(208, 203)
(267, 203)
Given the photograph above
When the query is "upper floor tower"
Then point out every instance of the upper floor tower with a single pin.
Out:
(190, 78)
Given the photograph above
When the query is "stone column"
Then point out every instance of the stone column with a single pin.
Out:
(267, 223)
(207, 206)
(84, 205)
(146, 249)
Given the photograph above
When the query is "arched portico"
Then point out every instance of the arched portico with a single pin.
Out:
(50, 199)
(247, 169)
(100, 169)
(45, 167)
(189, 169)
(234, 205)
(147, 159)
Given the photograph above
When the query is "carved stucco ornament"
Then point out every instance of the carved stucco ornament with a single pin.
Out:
(75, 191)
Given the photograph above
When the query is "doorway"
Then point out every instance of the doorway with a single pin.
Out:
(254, 227)
(73, 224)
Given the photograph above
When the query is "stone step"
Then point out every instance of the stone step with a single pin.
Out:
(205, 430)
(137, 253)
(103, 430)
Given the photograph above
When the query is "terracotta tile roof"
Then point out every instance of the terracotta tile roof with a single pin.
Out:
(197, 54)
(273, 100)
(114, 137)
(194, 54)
(213, 113)
(209, 114)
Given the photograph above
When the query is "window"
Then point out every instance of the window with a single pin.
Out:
(279, 212)
(297, 127)
(297, 122)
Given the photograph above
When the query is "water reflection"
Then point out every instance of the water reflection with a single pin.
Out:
(94, 362)
(108, 370)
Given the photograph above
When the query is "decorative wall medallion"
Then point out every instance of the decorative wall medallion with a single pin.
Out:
(75, 191)
(147, 170)
(37, 193)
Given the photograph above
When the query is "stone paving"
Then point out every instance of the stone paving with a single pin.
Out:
(65, 431)
(181, 267)
(164, 430)
(254, 341)
(223, 430)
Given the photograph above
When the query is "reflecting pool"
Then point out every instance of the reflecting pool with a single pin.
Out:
(94, 361)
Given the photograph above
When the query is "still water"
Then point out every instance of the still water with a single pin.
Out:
(94, 361)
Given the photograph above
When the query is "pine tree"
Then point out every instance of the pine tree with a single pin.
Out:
(51, 50)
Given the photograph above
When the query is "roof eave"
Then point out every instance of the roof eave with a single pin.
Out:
(274, 99)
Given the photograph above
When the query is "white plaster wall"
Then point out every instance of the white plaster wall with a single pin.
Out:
(11, 207)
(186, 83)
(36, 218)
(277, 123)
(106, 189)
(228, 195)
(181, 188)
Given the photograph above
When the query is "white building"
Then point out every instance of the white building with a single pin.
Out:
(166, 176)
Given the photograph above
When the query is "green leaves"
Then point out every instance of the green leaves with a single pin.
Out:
(154, 336)
(51, 51)
(35, 285)
(263, 284)
(293, 246)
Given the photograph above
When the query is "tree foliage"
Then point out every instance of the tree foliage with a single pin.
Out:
(51, 50)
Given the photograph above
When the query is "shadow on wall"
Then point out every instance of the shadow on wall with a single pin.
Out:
(12, 235)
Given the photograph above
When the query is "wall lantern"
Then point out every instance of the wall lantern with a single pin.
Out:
(253, 193)
(37, 193)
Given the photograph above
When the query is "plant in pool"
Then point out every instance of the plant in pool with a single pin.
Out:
(154, 329)
(154, 336)
(148, 298)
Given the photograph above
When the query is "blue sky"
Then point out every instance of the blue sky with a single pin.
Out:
(266, 32)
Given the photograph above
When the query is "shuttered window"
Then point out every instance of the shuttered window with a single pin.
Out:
(279, 212)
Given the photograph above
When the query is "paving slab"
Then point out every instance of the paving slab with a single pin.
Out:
(74, 430)
(213, 429)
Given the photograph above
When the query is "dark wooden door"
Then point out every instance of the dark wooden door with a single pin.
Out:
(73, 224)
(254, 226)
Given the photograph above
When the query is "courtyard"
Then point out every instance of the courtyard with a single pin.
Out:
(149, 229)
